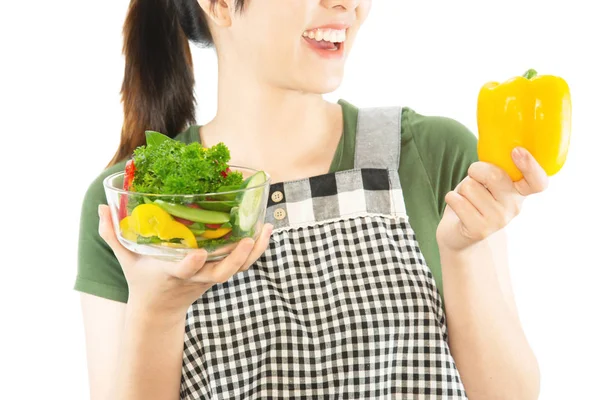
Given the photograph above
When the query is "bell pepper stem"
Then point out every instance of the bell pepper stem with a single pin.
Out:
(531, 73)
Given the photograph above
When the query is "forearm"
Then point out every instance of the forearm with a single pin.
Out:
(151, 356)
(486, 338)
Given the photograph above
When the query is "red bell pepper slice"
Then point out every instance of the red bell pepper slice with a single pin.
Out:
(127, 182)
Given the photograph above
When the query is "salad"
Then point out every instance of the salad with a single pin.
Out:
(187, 196)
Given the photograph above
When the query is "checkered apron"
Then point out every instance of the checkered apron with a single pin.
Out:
(341, 304)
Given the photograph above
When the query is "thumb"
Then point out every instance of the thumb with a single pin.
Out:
(107, 232)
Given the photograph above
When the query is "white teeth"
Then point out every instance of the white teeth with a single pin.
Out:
(329, 35)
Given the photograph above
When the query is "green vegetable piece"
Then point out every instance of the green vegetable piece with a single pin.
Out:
(223, 206)
(148, 240)
(251, 202)
(155, 138)
(198, 226)
(227, 196)
(193, 214)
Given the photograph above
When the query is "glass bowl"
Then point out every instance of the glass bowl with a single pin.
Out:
(170, 226)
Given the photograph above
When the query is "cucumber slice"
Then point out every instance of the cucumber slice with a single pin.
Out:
(235, 217)
(193, 214)
(249, 208)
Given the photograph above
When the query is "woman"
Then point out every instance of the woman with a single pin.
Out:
(341, 295)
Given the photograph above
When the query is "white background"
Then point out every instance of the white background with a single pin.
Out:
(61, 70)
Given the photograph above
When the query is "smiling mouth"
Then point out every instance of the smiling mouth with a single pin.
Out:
(325, 39)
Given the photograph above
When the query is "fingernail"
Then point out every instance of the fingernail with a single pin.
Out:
(100, 214)
(519, 155)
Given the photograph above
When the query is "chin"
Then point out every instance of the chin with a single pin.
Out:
(323, 84)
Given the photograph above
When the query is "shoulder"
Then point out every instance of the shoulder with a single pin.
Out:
(95, 190)
(444, 147)
(439, 134)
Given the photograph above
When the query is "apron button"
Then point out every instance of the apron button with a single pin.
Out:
(277, 196)
(280, 214)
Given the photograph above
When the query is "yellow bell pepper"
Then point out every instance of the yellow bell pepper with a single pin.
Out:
(179, 230)
(216, 234)
(528, 111)
(127, 230)
(150, 220)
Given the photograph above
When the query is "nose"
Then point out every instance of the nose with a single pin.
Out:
(345, 4)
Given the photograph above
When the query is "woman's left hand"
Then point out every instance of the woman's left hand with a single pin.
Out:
(486, 201)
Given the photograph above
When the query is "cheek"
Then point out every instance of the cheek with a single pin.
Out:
(363, 10)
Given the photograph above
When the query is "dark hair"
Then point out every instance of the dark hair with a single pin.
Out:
(158, 85)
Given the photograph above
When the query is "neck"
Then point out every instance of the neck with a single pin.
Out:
(254, 118)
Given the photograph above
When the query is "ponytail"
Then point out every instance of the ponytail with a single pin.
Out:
(158, 85)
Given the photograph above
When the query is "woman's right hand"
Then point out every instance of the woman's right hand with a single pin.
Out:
(171, 287)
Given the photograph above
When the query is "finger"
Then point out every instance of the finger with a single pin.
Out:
(471, 219)
(482, 199)
(535, 179)
(260, 247)
(107, 232)
(221, 271)
(493, 179)
(185, 269)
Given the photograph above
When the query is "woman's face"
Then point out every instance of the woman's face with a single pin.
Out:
(294, 44)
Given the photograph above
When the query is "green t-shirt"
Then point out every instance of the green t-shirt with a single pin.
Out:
(436, 153)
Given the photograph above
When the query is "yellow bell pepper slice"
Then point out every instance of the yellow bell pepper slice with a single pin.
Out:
(127, 229)
(216, 234)
(180, 231)
(150, 220)
(528, 111)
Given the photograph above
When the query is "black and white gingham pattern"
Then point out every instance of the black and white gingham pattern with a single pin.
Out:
(341, 305)
(329, 197)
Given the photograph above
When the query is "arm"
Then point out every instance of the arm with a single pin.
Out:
(485, 334)
(486, 337)
(132, 354)
(103, 322)
(135, 350)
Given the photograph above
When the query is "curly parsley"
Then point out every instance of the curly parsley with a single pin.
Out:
(167, 166)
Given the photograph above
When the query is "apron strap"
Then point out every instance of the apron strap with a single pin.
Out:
(378, 138)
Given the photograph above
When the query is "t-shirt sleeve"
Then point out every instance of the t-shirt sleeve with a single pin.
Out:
(447, 148)
(98, 270)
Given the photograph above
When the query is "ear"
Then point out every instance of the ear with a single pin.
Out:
(218, 11)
